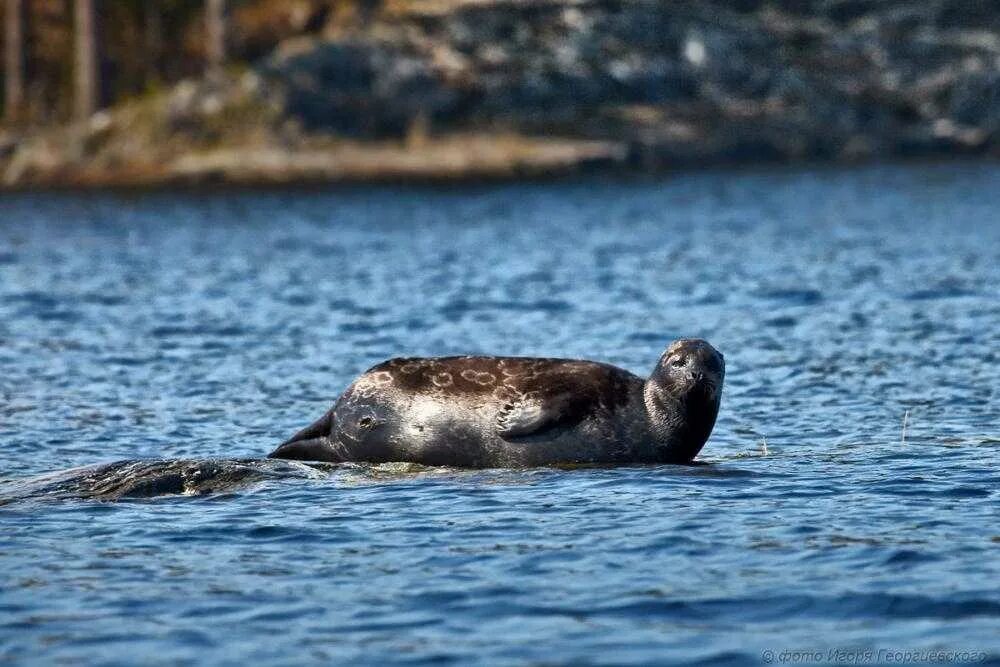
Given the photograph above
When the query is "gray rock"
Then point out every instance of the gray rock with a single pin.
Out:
(778, 80)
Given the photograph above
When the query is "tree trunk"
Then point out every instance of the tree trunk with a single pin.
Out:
(215, 33)
(153, 23)
(86, 73)
(14, 60)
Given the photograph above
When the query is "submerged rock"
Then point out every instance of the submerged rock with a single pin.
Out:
(146, 479)
(138, 479)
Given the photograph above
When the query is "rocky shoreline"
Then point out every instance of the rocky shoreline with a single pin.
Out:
(469, 89)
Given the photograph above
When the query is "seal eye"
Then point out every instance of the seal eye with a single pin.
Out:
(678, 362)
(366, 422)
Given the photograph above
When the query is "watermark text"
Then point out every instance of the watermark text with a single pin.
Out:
(871, 656)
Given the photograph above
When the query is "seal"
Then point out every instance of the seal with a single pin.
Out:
(483, 412)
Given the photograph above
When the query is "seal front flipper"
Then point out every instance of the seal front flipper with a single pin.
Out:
(313, 443)
(533, 414)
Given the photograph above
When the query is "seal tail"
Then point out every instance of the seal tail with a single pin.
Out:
(313, 443)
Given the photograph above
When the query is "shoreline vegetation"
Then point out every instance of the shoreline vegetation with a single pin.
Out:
(465, 90)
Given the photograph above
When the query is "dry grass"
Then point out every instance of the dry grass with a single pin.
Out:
(452, 158)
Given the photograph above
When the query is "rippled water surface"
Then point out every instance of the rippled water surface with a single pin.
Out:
(215, 325)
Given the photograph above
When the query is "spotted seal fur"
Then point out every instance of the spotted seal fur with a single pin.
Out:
(517, 412)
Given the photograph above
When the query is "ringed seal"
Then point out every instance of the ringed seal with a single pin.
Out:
(483, 412)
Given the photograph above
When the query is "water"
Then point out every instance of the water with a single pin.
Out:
(215, 325)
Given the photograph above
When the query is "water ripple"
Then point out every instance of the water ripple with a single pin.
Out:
(848, 496)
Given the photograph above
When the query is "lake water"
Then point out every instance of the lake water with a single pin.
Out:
(215, 325)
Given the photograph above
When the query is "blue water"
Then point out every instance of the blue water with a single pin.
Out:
(215, 325)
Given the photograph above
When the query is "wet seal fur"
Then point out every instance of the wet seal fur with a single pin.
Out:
(482, 412)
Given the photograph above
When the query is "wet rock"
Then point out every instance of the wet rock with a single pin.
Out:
(153, 478)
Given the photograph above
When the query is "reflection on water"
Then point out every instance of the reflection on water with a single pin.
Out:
(212, 326)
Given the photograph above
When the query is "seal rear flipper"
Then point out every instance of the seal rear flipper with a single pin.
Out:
(313, 443)
(311, 449)
(320, 428)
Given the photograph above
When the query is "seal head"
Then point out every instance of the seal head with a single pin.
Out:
(682, 397)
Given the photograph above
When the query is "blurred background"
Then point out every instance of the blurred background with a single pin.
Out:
(125, 92)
